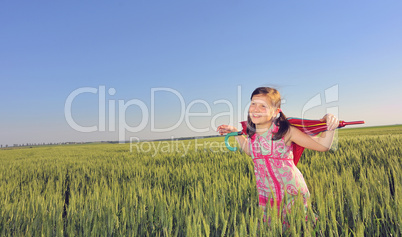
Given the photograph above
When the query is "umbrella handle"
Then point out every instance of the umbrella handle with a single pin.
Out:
(343, 123)
(227, 140)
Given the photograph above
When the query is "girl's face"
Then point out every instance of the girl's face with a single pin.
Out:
(261, 111)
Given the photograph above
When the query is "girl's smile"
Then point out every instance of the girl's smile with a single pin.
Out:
(256, 115)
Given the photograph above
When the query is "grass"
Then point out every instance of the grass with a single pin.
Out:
(108, 190)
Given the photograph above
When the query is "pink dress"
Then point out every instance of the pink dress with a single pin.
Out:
(276, 175)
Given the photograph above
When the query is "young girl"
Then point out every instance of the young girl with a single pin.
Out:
(269, 143)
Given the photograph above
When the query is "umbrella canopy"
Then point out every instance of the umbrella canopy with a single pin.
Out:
(310, 127)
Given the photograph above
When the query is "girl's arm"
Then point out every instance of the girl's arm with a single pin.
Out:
(322, 143)
(242, 140)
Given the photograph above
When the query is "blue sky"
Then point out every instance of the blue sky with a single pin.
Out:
(203, 50)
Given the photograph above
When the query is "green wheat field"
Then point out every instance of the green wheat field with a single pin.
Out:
(135, 190)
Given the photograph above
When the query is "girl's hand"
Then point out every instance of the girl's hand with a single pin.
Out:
(223, 129)
(331, 120)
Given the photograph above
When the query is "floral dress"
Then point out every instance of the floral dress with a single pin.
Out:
(277, 177)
